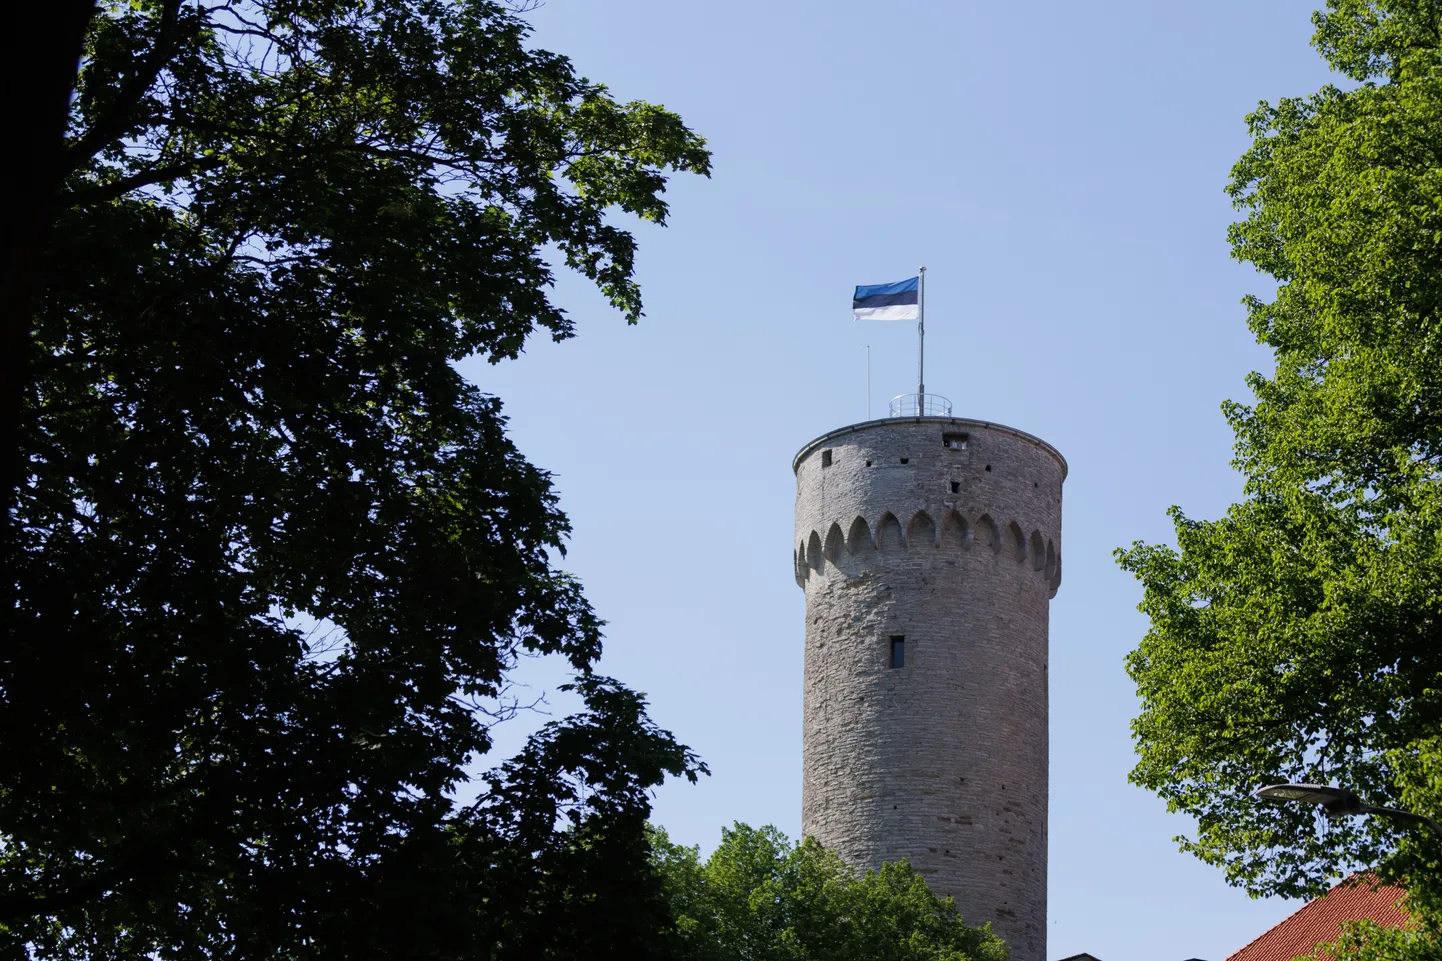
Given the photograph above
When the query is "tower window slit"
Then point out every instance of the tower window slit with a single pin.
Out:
(898, 650)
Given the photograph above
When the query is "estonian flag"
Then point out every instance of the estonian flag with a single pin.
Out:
(886, 302)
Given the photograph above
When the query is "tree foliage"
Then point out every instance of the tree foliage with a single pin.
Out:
(272, 560)
(758, 896)
(1298, 637)
(1368, 941)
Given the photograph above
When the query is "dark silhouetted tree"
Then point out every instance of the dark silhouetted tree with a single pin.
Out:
(272, 560)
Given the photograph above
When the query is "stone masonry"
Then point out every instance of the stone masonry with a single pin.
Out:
(944, 533)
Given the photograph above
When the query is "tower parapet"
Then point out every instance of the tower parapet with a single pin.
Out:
(929, 548)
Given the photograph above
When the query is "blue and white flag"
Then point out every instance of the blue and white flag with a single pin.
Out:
(886, 302)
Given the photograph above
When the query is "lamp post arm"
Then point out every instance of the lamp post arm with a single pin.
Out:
(1400, 815)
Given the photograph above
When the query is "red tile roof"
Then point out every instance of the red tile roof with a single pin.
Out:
(1320, 921)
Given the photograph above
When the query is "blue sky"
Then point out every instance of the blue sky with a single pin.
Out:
(1059, 168)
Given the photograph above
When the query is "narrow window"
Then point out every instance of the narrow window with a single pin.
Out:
(868, 463)
(955, 441)
(906, 460)
(956, 487)
(898, 650)
(826, 458)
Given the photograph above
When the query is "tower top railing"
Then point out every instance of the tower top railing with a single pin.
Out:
(920, 405)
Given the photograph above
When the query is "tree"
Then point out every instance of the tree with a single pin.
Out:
(1298, 637)
(1368, 941)
(42, 58)
(758, 896)
(272, 560)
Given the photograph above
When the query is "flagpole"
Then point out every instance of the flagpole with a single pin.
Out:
(868, 382)
(921, 340)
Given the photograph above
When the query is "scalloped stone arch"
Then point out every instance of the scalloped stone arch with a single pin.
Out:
(835, 547)
(955, 532)
(859, 539)
(1017, 541)
(921, 531)
(988, 533)
(813, 551)
(1050, 560)
(1038, 551)
(888, 533)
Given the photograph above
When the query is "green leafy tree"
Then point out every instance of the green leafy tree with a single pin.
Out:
(1298, 637)
(1367, 941)
(758, 896)
(272, 561)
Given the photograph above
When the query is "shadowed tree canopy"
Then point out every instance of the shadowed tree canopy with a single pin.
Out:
(272, 560)
(1298, 637)
(759, 896)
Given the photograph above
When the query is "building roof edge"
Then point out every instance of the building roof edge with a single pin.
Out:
(958, 421)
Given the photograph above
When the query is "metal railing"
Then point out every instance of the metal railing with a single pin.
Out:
(920, 405)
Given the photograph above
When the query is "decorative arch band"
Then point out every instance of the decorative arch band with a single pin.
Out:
(952, 533)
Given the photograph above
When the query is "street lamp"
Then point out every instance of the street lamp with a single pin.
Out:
(1337, 802)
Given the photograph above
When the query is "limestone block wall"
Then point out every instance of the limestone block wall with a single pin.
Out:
(944, 533)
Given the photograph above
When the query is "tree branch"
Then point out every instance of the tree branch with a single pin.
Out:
(115, 123)
(151, 175)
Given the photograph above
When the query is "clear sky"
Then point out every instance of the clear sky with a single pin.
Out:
(1059, 168)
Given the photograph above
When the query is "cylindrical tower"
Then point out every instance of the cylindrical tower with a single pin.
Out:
(929, 548)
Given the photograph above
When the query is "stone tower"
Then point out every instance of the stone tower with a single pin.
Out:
(929, 549)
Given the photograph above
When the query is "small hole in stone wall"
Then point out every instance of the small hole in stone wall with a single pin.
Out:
(956, 487)
(868, 463)
(906, 460)
(988, 467)
(826, 458)
(1033, 485)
